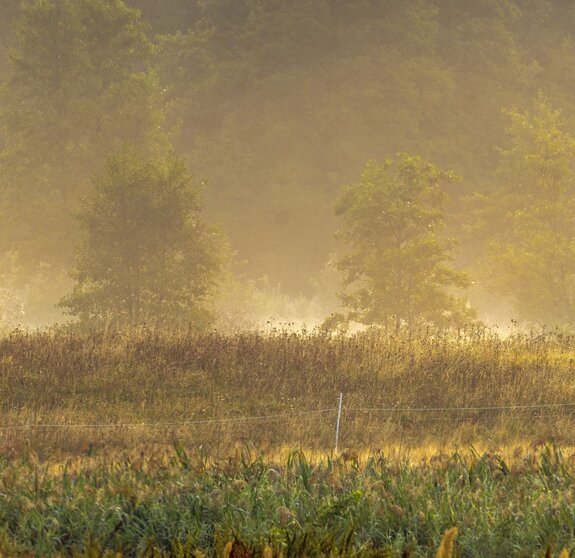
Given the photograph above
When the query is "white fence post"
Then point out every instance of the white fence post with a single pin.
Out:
(338, 420)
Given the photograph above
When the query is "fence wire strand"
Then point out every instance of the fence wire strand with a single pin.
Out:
(167, 424)
(288, 416)
(448, 409)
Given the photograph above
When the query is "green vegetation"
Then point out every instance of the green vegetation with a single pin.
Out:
(532, 256)
(147, 442)
(276, 106)
(182, 504)
(397, 265)
(147, 257)
(79, 86)
(132, 428)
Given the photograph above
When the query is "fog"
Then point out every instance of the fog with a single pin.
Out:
(274, 107)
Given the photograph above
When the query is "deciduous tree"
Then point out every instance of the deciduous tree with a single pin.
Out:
(531, 255)
(79, 88)
(147, 257)
(397, 269)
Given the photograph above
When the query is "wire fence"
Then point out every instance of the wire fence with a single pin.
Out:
(224, 420)
(337, 415)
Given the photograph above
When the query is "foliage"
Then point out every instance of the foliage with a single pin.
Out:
(146, 257)
(78, 86)
(283, 103)
(180, 504)
(532, 258)
(397, 265)
(277, 104)
(262, 90)
(86, 488)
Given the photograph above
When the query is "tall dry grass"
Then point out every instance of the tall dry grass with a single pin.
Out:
(49, 379)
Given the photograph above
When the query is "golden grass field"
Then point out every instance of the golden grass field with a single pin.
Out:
(65, 393)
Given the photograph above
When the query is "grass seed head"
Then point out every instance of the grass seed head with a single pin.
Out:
(447, 544)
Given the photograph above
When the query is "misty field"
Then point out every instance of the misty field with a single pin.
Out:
(186, 444)
(64, 393)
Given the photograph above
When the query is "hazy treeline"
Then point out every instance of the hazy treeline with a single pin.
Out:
(275, 105)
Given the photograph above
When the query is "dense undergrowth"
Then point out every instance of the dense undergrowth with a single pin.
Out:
(183, 504)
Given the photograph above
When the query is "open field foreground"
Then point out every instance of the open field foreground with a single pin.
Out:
(179, 444)
(182, 504)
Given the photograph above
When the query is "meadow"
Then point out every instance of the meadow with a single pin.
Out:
(65, 393)
(152, 443)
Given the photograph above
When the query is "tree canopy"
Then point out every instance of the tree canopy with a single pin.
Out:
(146, 257)
(398, 265)
(531, 259)
(80, 86)
(273, 104)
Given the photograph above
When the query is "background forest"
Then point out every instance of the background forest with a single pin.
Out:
(273, 107)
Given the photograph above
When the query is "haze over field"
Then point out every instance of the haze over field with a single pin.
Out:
(250, 256)
(275, 108)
